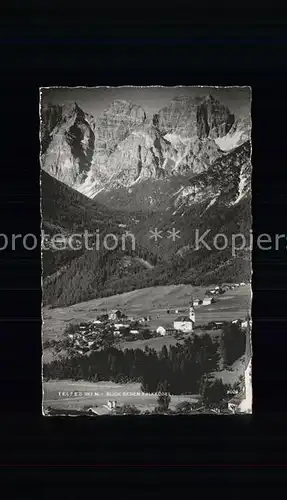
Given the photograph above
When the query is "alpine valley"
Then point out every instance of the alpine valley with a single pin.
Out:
(187, 168)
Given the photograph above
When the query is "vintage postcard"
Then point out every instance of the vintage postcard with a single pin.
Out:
(146, 250)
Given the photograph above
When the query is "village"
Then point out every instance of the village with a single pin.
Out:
(115, 328)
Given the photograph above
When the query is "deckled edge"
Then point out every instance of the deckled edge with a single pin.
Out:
(251, 291)
(41, 249)
(147, 86)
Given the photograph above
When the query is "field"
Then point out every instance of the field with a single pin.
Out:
(123, 394)
(154, 301)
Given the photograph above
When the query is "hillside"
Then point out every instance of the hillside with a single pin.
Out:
(72, 276)
(188, 169)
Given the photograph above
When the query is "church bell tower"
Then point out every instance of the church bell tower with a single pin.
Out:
(191, 312)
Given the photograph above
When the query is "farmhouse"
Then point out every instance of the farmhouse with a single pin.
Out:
(117, 333)
(99, 410)
(120, 325)
(243, 323)
(115, 314)
(197, 302)
(161, 330)
(218, 324)
(207, 301)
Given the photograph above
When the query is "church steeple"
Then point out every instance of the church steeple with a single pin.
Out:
(191, 311)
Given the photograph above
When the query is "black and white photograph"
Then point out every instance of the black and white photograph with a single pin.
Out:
(146, 235)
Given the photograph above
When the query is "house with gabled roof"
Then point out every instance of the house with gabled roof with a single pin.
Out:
(161, 330)
(207, 301)
(115, 314)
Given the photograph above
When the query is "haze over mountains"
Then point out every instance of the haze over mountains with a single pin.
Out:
(186, 166)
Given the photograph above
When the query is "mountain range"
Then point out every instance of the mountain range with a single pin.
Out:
(188, 167)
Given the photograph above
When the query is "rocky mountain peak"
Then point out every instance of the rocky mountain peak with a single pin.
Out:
(51, 116)
(121, 112)
(213, 119)
(122, 146)
(71, 108)
(195, 117)
(67, 143)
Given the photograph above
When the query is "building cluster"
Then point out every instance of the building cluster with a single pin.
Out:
(218, 290)
(106, 329)
(186, 323)
(88, 336)
(181, 324)
(110, 407)
(243, 323)
(206, 301)
(115, 325)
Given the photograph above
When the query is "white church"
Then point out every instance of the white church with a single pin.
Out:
(185, 324)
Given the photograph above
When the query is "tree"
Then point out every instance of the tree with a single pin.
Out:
(213, 392)
(163, 399)
(164, 352)
(232, 343)
(127, 410)
(145, 334)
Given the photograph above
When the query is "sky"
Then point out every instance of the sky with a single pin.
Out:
(94, 100)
